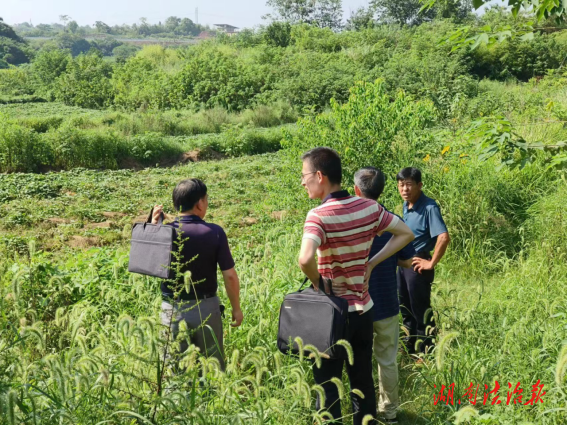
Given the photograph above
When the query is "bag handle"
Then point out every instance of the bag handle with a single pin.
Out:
(321, 281)
(151, 215)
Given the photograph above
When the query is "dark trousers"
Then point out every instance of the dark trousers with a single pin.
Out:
(360, 335)
(415, 302)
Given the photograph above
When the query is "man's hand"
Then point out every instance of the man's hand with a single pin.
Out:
(237, 317)
(419, 265)
(158, 211)
(367, 274)
(339, 289)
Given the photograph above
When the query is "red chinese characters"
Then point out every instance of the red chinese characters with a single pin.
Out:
(513, 395)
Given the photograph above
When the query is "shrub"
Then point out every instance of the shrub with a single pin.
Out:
(46, 68)
(21, 150)
(15, 82)
(278, 34)
(140, 83)
(72, 148)
(214, 78)
(312, 79)
(85, 83)
(125, 51)
(363, 129)
(519, 59)
(431, 75)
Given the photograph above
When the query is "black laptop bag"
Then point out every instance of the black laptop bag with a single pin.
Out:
(319, 318)
(151, 248)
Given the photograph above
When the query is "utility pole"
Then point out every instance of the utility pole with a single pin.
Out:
(196, 15)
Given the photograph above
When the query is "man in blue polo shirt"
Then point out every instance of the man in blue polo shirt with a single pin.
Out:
(423, 217)
(369, 183)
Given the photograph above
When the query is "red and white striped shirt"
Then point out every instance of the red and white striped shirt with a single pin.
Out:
(344, 227)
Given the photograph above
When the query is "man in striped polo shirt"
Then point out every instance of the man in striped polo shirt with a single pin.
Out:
(341, 231)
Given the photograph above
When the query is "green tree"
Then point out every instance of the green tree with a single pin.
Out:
(13, 49)
(323, 13)
(101, 27)
(293, 11)
(278, 34)
(360, 19)
(172, 23)
(402, 12)
(64, 19)
(46, 67)
(85, 83)
(73, 27)
(74, 43)
(328, 14)
(125, 51)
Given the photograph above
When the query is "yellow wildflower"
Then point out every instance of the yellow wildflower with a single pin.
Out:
(445, 150)
(427, 158)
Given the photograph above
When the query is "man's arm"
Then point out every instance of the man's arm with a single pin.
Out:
(307, 261)
(232, 285)
(443, 241)
(402, 236)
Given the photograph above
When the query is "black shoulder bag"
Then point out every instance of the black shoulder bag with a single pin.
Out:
(151, 248)
(319, 318)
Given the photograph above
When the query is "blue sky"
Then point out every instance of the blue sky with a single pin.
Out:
(235, 12)
(240, 13)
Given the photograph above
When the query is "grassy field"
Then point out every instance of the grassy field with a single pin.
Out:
(79, 332)
(80, 337)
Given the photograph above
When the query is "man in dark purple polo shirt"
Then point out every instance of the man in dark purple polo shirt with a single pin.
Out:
(206, 246)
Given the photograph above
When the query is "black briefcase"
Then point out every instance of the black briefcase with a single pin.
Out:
(318, 318)
(151, 248)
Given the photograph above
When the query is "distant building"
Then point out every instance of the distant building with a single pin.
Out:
(228, 29)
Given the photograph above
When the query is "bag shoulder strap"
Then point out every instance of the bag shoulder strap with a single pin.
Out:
(323, 284)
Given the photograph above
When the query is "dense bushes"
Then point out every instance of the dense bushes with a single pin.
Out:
(37, 144)
(85, 83)
(299, 64)
(363, 130)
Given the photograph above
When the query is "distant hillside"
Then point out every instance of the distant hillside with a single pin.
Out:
(14, 50)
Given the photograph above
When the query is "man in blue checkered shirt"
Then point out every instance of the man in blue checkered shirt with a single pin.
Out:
(369, 183)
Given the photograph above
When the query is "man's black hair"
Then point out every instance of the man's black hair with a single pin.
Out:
(409, 173)
(370, 181)
(187, 193)
(326, 161)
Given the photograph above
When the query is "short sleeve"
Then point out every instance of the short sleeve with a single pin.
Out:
(313, 228)
(224, 256)
(385, 221)
(436, 224)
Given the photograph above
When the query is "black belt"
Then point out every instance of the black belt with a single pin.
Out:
(190, 297)
(423, 255)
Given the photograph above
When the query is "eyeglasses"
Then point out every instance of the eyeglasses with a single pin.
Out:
(306, 174)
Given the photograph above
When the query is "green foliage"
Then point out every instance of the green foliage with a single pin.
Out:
(278, 34)
(140, 84)
(85, 83)
(496, 138)
(13, 52)
(46, 68)
(515, 58)
(125, 51)
(15, 82)
(72, 42)
(20, 148)
(321, 13)
(406, 12)
(213, 78)
(364, 128)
